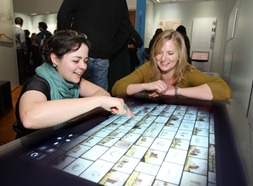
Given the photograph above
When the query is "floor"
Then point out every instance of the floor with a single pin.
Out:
(7, 134)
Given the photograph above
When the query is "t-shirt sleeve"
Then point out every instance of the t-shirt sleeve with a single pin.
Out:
(39, 84)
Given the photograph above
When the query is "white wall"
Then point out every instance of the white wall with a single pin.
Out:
(131, 4)
(8, 64)
(32, 6)
(50, 19)
(8, 61)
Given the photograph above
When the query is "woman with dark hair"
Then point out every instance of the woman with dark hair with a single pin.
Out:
(58, 93)
(168, 74)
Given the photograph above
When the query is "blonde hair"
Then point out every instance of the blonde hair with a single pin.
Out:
(178, 40)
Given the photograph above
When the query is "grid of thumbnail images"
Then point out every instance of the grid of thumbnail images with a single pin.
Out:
(162, 145)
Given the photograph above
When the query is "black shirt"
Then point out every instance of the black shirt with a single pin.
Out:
(35, 83)
(105, 22)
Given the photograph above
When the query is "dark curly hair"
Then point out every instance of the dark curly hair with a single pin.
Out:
(62, 42)
(43, 25)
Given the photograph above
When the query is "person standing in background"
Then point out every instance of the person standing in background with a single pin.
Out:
(36, 56)
(146, 52)
(151, 42)
(21, 48)
(182, 30)
(43, 36)
(121, 64)
(28, 65)
(107, 25)
(134, 43)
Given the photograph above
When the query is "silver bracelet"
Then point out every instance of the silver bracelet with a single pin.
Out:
(176, 93)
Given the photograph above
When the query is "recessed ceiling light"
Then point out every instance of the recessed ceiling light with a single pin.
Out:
(32, 14)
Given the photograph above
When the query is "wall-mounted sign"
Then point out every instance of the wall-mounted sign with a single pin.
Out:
(170, 24)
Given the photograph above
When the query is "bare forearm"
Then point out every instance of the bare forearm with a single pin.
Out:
(202, 92)
(135, 88)
(101, 93)
(50, 113)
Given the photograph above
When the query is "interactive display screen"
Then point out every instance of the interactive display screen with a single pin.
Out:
(164, 144)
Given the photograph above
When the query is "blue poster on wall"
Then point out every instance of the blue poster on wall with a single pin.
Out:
(140, 23)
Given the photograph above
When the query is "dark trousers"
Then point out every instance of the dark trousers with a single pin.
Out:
(21, 65)
(120, 67)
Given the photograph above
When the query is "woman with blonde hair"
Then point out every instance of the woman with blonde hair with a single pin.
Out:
(168, 73)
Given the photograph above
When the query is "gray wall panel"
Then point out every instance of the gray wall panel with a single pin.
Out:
(241, 71)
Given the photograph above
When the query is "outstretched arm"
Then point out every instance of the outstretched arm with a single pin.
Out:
(37, 112)
(202, 92)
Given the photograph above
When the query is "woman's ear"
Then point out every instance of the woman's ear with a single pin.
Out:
(54, 59)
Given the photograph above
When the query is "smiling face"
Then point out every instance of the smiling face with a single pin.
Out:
(167, 57)
(72, 65)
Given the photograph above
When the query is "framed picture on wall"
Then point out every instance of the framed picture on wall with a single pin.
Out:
(6, 21)
(170, 24)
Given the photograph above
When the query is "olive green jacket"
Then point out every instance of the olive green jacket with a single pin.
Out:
(192, 77)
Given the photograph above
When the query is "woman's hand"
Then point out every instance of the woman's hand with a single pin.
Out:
(170, 91)
(157, 86)
(116, 106)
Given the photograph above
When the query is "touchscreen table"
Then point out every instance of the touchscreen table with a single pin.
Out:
(164, 144)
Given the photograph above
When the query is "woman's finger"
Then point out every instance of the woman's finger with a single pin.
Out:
(125, 110)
